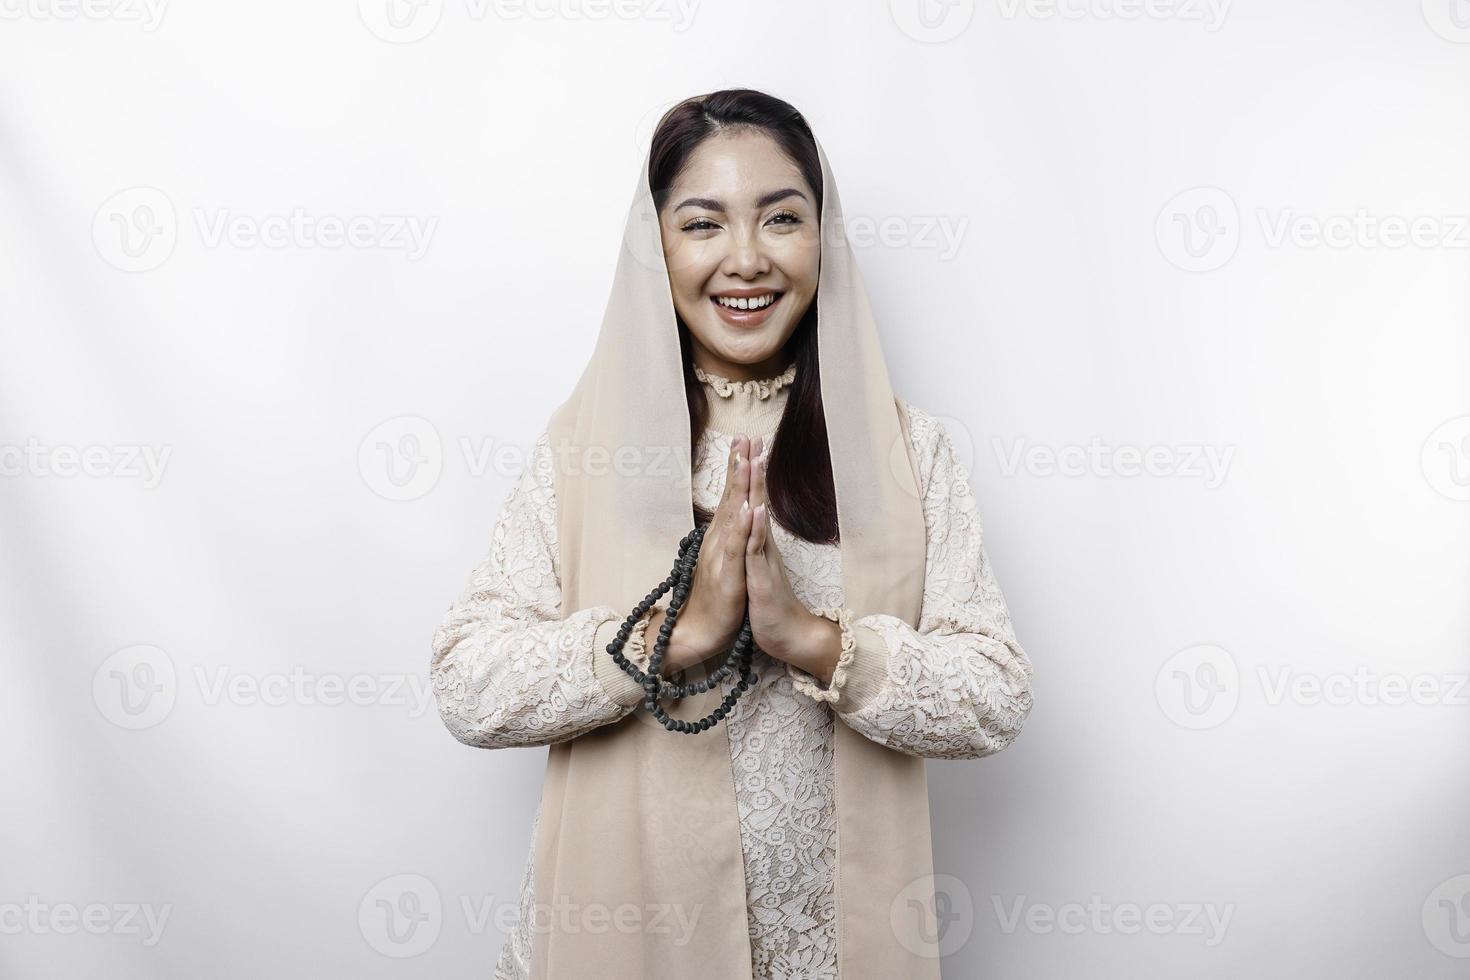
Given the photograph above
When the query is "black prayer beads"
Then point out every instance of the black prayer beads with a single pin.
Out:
(680, 580)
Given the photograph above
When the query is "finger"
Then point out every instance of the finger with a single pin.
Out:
(758, 494)
(758, 532)
(757, 479)
(738, 539)
(730, 469)
(730, 524)
(757, 567)
(731, 497)
(742, 477)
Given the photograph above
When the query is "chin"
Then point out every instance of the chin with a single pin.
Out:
(745, 346)
(747, 349)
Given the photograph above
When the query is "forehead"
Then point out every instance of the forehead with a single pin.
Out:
(737, 167)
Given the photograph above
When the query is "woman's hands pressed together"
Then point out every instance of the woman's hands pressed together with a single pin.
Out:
(782, 626)
(740, 570)
(711, 617)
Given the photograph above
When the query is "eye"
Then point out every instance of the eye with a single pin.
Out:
(792, 218)
(699, 224)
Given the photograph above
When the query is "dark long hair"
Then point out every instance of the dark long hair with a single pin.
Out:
(799, 482)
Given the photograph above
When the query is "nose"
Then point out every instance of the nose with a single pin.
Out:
(746, 258)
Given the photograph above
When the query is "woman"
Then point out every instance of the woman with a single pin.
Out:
(792, 838)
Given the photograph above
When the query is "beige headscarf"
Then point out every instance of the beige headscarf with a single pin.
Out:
(634, 815)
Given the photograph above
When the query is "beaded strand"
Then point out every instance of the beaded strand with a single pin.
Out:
(680, 580)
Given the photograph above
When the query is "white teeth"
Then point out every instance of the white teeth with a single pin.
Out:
(752, 303)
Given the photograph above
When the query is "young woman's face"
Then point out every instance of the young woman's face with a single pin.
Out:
(741, 223)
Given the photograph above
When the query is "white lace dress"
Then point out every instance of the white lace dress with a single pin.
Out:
(509, 671)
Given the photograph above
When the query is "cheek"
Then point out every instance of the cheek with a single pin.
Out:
(800, 260)
(690, 268)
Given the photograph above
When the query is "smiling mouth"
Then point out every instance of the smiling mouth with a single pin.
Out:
(746, 311)
(747, 303)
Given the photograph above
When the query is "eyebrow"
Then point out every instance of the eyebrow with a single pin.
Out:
(710, 204)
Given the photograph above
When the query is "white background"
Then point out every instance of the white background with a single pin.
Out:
(1131, 204)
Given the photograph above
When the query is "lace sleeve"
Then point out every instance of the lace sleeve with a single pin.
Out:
(959, 686)
(507, 669)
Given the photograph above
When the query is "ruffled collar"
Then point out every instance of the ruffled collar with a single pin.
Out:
(761, 388)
